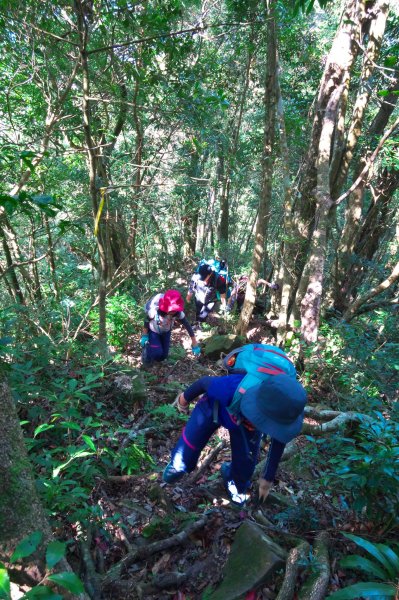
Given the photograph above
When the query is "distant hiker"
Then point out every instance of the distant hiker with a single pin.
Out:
(240, 288)
(161, 312)
(210, 282)
(223, 283)
(202, 287)
(264, 397)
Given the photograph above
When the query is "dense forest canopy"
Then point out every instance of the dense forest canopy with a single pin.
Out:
(138, 138)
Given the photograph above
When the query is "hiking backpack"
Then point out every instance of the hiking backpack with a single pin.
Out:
(222, 278)
(259, 362)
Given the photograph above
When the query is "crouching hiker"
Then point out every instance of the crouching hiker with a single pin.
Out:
(161, 312)
(260, 395)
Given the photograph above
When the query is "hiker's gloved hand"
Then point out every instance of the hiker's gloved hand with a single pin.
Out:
(144, 340)
(264, 488)
(196, 350)
(181, 405)
(275, 286)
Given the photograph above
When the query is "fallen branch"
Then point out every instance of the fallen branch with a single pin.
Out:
(115, 572)
(295, 561)
(174, 579)
(315, 587)
(205, 464)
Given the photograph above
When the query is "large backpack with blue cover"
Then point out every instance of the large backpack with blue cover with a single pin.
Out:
(259, 362)
(222, 279)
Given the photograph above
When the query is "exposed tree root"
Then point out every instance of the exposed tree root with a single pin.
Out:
(140, 553)
(91, 577)
(336, 423)
(331, 420)
(315, 587)
(289, 538)
(295, 561)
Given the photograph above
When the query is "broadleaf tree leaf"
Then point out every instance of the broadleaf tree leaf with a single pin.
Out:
(69, 581)
(89, 442)
(42, 591)
(42, 427)
(27, 546)
(5, 590)
(55, 551)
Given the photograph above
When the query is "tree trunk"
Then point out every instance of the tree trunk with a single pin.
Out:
(138, 157)
(267, 174)
(356, 229)
(336, 76)
(353, 308)
(20, 510)
(14, 283)
(191, 207)
(375, 26)
(92, 161)
(53, 269)
(231, 157)
(285, 277)
(313, 274)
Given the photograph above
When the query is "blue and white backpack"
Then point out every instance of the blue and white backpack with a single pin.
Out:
(259, 362)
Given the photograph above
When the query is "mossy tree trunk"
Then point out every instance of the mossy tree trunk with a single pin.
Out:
(21, 512)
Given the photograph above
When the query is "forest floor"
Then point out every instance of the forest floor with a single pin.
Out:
(145, 514)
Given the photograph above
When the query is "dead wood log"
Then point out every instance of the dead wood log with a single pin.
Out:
(295, 561)
(140, 553)
(315, 586)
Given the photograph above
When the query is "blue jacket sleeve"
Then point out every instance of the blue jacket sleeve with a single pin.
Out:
(274, 455)
(197, 388)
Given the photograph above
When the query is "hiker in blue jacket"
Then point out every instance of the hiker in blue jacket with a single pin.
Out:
(275, 407)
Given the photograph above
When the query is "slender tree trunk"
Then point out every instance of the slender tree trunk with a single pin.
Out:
(97, 205)
(37, 292)
(267, 174)
(362, 300)
(231, 157)
(376, 28)
(53, 269)
(356, 228)
(191, 207)
(17, 292)
(138, 157)
(285, 276)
